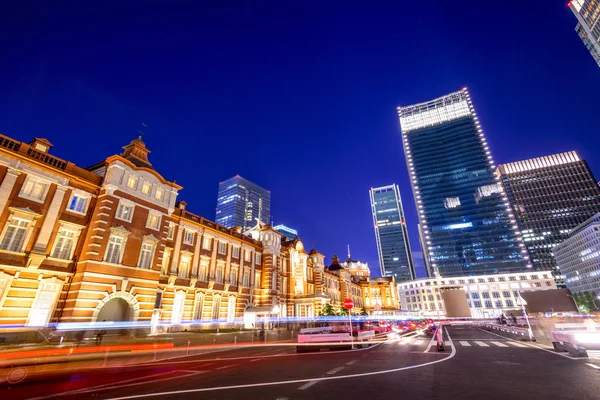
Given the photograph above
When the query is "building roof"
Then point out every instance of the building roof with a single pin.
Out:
(335, 264)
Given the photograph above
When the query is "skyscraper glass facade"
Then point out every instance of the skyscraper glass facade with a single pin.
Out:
(393, 246)
(464, 214)
(588, 27)
(550, 196)
(242, 203)
(286, 231)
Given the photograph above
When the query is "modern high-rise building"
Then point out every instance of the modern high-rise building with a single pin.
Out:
(578, 257)
(286, 231)
(465, 217)
(393, 246)
(242, 203)
(425, 251)
(549, 196)
(588, 26)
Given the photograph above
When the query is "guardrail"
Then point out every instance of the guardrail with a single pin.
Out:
(520, 333)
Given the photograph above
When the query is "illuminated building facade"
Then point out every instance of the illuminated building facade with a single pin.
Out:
(486, 296)
(549, 196)
(391, 234)
(465, 217)
(289, 233)
(242, 203)
(578, 257)
(588, 27)
(111, 242)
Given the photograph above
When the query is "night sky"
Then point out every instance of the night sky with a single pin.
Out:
(299, 97)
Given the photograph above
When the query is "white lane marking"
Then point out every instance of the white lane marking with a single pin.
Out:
(482, 344)
(429, 345)
(227, 366)
(533, 346)
(387, 371)
(518, 344)
(335, 370)
(351, 362)
(499, 344)
(464, 343)
(593, 366)
(418, 342)
(307, 385)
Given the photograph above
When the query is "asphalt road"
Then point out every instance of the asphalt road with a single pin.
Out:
(475, 365)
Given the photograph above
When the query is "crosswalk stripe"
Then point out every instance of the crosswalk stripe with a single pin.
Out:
(463, 343)
(418, 342)
(482, 344)
(447, 343)
(499, 344)
(518, 344)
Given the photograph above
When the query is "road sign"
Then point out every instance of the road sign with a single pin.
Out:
(349, 304)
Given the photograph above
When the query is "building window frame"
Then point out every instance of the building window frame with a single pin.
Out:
(147, 250)
(125, 210)
(153, 220)
(116, 245)
(222, 247)
(65, 242)
(34, 189)
(78, 203)
(188, 237)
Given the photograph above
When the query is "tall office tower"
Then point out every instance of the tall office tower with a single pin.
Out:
(425, 251)
(550, 196)
(393, 245)
(289, 233)
(242, 203)
(588, 26)
(468, 226)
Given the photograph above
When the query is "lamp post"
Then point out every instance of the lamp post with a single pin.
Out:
(594, 300)
(575, 301)
(521, 302)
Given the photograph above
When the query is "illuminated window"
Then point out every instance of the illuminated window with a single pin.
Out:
(171, 231)
(246, 279)
(42, 309)
(235, 253)
(178, 304)
(247, 255)
(222, 248)
(203, 272)
(231, 309)
(146, 188)
(132, 182)
(188, 237)
(219, 275)
(216, 309)
(257, 279)
(146, 254)
(159, 194)
(206, 243)
(258, 258)
(234, 277)
(153, 221)
(14, 237)
(184, 266)
(114, 251)
(166, 261)
(78, 203)
(198, 306)
(125, 212)
(63, 247)
(34, 190)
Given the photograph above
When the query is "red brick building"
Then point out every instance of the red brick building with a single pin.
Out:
(111, 242)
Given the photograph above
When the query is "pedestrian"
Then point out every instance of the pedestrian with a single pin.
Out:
(513, 318)
(99, 335)
(503, 319)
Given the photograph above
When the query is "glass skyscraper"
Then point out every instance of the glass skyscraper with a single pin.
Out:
(550, 196)
(393, 246)
(588, 26)
(464, 214)
(242, 203)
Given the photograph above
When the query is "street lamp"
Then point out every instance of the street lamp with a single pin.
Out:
(594, 300)
(574, 301)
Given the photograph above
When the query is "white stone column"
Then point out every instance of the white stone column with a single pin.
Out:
(50, 220)
(196, 259)
(176, 250)
(7, 185)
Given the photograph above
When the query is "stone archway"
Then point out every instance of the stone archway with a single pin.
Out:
(117, 306)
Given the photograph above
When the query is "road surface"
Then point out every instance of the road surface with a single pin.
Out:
(476, 365)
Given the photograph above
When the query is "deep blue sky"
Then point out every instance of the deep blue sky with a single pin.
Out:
(299, 97)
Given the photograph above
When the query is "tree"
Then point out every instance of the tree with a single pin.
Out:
(327, 310)
(343, 311)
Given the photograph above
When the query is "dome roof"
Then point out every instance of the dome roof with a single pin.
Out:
(335, 264)
(313, 252)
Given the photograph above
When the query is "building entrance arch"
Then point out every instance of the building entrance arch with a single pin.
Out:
(118, 306)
